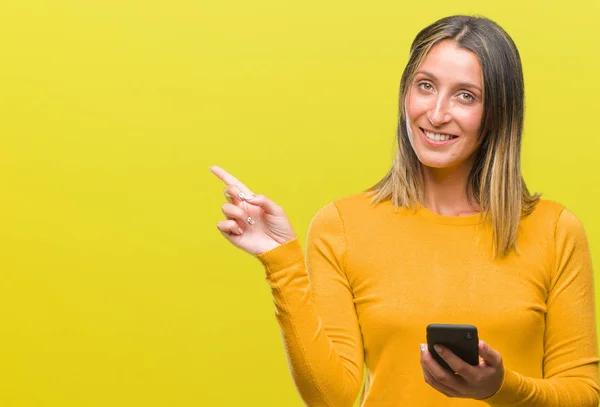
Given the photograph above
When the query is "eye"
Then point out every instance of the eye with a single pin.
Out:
(425, 86)
(467, 97)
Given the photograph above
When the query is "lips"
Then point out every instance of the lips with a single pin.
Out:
(437, 139)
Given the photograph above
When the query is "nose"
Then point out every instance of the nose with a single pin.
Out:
(439, 114)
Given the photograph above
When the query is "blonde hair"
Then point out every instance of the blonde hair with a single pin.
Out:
(495, 182)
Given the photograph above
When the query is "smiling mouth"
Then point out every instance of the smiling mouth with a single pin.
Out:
(437, 136)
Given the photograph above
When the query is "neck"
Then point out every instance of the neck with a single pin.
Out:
(446, 191)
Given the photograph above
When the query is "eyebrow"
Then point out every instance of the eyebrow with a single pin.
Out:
(461, 84)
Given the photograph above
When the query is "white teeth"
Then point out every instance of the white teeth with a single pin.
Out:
(437, 137)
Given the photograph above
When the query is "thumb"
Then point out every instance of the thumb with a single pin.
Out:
(491, 356)
(265, 204)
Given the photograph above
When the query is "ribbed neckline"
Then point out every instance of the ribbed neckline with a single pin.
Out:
(450, 220)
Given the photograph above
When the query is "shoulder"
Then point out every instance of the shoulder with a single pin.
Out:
(567, 243)
(554, 217)
(333, 210)
(359, 204)
(546, 210)
(545, 214)
(329, 223)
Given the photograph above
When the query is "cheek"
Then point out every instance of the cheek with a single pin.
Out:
(470, 122)
(414, 106)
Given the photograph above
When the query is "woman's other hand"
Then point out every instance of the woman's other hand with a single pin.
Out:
(475, 382)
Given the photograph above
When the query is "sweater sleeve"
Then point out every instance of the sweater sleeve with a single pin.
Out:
(570, 341)
(315, 311)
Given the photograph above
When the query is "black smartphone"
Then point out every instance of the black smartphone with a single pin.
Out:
(462, 340)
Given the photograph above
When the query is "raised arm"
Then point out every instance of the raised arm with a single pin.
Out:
(313, 299)
(316, 314)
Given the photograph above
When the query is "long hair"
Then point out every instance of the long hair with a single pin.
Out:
(495, 182)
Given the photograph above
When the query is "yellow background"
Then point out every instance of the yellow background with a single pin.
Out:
(116, 289)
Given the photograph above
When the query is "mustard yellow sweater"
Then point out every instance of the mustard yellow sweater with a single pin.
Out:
(373, 279)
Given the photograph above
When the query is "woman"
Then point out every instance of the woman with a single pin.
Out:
(452, 235)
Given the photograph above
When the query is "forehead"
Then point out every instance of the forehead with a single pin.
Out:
(449, 63)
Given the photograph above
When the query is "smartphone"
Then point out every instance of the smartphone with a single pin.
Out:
(462, 340)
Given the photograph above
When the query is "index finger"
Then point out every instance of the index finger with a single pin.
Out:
(228, 179)
(461, 367)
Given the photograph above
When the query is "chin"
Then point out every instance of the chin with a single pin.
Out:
(437, 162)
(438, 166)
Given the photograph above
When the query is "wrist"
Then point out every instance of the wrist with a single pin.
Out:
(507, 392)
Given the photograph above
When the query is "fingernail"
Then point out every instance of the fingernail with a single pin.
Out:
(422, 346)
(249, 197)
(438, 348)
(250, 221)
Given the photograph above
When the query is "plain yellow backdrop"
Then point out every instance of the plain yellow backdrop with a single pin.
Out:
(116, 289)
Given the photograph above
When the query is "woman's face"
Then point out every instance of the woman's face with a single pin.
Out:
(444, 107)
